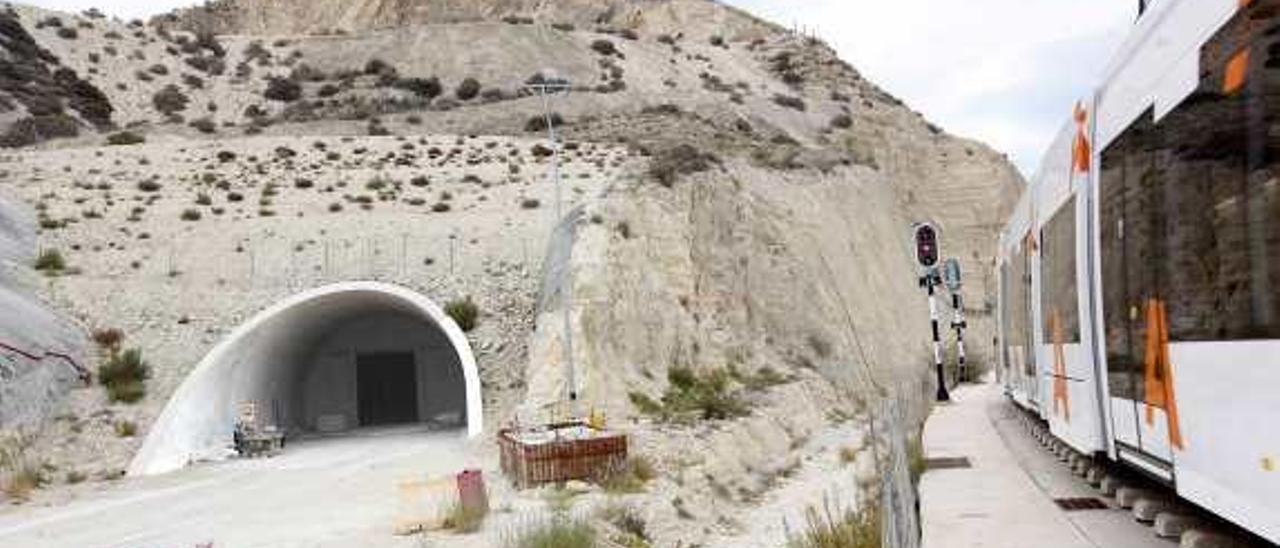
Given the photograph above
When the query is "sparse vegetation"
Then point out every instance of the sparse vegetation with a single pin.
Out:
(669, 163)
(530, 203)
(191, 215)
(283, 89)
(628, 522)
(20, 474)
(464, 312)
(604, 47)
(50, 261)
(126, 429)
(630, 477)
(706, 395)
(468, 89)
(539, 122)
(557, 531)
(461, 519)
(204, 125)
(124, 138)
(829, 527)
(124, 375)
(428, 88)
(789, 102)
(170, 100)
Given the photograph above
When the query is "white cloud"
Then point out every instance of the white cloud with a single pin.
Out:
(124, 9)
(1002, 71)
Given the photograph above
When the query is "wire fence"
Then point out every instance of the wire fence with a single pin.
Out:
(900, 511)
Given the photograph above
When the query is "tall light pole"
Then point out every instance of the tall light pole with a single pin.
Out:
(546, 89)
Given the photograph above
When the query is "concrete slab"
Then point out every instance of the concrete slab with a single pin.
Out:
(1203, 538)
(1007, 498)
(1173, 524)
(1146, 509)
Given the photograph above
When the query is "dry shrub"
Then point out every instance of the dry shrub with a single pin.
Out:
(669, 163)
(464, 312)
(830, 527)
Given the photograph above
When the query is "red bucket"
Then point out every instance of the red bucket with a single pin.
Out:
(471, 492)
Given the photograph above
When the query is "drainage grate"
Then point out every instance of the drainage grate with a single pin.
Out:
(1077, 504)
(945, 463)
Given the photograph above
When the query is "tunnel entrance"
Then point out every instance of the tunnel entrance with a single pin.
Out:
(385, 388)
(325, 362)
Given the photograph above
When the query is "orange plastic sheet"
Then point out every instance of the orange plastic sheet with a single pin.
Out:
(1158, 373)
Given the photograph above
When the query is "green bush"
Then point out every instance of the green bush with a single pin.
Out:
(126, 429)
(464, 312)
(170, 100)
(707, 395)
(124, 375)
(835, 528)
(191, 215)
(669, 163)
(50, 261)
(468, 89)
(283, 89)
(559, 531)
(125, 138)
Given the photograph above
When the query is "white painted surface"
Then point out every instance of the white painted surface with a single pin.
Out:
(1229, 412)
(1158, 66)
(247, 366)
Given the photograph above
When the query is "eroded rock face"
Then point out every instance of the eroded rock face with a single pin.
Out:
(342, 16)
(32, 383)
(35, 92)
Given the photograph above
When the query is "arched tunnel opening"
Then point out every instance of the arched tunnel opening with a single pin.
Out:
(333, 360)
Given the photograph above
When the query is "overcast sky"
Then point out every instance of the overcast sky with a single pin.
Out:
(1003, 71)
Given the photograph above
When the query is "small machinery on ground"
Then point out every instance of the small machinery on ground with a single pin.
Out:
(253, 440)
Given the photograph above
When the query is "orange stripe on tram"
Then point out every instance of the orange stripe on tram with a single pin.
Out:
(1059, 368)
(1158, 373)
(1237, 72)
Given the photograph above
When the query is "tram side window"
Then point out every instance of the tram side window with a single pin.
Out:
(1058, 287)
(1190, 213)
(1019, 313)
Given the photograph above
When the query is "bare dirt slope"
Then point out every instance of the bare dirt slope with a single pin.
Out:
(744, 201)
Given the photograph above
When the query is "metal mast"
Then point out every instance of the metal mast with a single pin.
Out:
(545, 89)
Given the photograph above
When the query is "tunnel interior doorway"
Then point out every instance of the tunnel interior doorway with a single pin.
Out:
(385, 391)
(322, 363)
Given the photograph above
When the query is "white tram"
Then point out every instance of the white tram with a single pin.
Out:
(1140, 273)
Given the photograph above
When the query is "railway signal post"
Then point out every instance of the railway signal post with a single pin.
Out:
(951, 277)
(926, 244)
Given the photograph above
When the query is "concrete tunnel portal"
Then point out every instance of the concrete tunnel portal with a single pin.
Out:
(330, 360)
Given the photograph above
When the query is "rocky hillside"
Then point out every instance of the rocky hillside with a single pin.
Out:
(345, 17)
(742, 202)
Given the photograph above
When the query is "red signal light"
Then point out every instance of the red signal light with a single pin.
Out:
(926, 245)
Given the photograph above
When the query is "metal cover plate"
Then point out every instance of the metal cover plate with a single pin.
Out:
(1083, 503)
(945, 463)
